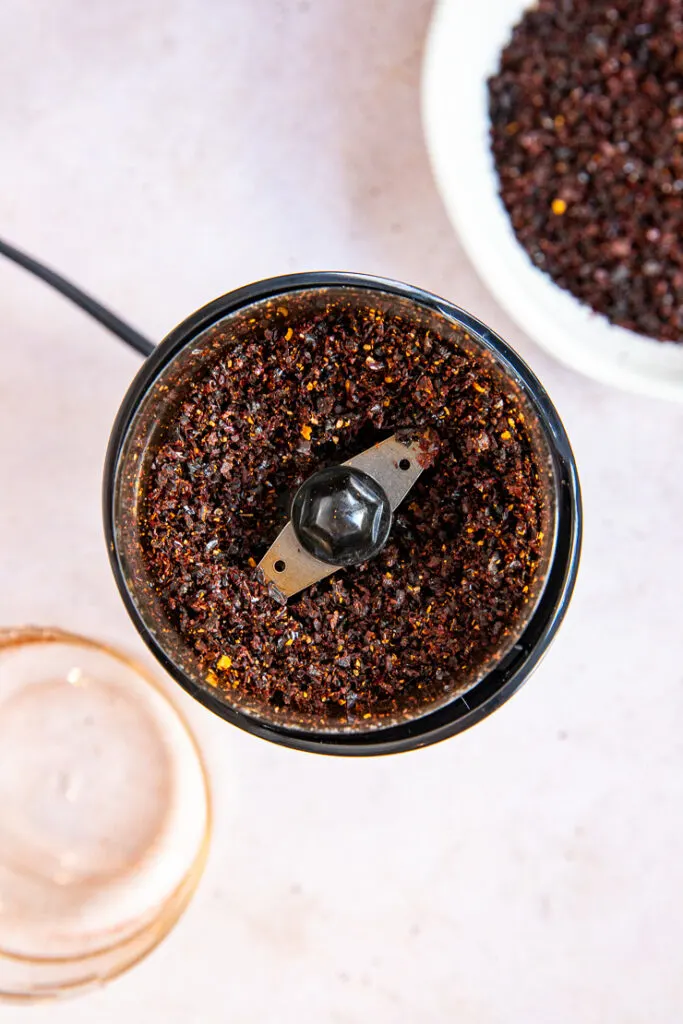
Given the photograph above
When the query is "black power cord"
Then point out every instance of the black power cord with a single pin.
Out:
(89, 305)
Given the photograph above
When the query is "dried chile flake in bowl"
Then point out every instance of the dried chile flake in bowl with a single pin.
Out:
(241, 416)
(587, 137)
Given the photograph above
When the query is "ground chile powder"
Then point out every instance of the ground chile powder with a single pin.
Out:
(304, 385)
(587, 136)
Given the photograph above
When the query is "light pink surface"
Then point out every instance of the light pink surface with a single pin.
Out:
(529, 871)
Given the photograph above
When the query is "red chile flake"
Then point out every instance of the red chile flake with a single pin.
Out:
(587, 136)
(303, 386)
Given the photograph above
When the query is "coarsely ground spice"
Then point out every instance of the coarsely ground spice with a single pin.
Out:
(300, 387)
(587, 136)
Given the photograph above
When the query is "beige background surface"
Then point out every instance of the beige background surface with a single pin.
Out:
(530, 870)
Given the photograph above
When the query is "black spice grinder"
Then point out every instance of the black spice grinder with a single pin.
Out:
(342, 513)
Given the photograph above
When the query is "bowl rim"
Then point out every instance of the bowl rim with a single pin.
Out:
(109, 961)
(551, 316)
(505, 677)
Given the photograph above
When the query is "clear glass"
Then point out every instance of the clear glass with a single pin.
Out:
(105, 813)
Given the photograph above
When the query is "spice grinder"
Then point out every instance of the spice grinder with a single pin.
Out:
(342, 513)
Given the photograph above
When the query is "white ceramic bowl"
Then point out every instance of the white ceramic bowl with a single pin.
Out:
(462, 50)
